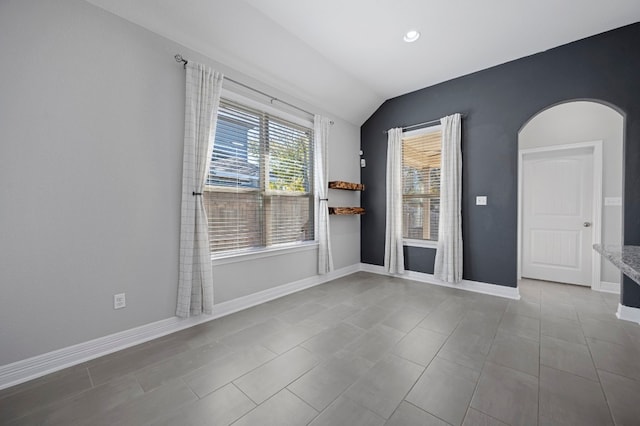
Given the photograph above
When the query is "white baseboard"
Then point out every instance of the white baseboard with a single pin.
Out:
(628, 313)
(40, 365)
(474, 286)
(609, 287)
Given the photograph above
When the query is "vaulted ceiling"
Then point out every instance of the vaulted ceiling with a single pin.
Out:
(348, 56)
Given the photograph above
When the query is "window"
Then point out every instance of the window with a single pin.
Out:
(421, 185)
(259, 190)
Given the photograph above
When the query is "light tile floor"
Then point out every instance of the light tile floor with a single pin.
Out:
(365, 350)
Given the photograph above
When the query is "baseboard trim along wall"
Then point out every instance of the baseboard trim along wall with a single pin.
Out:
(609, 287)
(628, 313)
(40, 365)
(474, 286)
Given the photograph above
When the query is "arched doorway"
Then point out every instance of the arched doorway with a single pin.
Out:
(570, 193)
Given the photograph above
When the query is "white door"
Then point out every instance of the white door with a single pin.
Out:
(557, 216)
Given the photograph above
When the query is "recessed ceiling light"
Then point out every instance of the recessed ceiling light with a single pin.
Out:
(411, 36)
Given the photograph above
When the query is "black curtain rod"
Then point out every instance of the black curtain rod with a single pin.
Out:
(179, 58)
(423, 124)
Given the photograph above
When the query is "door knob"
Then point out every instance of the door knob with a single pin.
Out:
(586, 224)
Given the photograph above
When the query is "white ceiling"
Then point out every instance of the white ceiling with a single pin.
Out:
(347, 56)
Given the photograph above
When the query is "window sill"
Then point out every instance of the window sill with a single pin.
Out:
(251, 254)
(420, 243)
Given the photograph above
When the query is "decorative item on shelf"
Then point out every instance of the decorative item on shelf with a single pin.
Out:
(349, 186)
(346, 210)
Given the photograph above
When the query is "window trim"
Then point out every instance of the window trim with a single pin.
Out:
(248, 254)
(415, 242)
(422, 131)
(412, 242)
(264, 107)
(241, 255)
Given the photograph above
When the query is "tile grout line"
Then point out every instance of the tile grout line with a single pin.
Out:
(597, 373)
(248, 397)
(421, 409)
(427, 366)
(389, 352)
(475, 388)
(184, 382)
(337, 396)
(272, 359)
(303, 401)
(231, 381)
(357, 403)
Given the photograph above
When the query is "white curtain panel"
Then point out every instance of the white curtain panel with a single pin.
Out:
(393, 249)
(321, 145)
(195, 285)
(448, 263)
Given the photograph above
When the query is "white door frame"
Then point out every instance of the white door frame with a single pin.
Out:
(596, 146)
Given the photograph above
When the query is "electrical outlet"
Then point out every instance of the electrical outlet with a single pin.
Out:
(119, 301)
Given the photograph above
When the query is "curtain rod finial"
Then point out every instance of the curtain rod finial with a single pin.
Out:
(178, 57)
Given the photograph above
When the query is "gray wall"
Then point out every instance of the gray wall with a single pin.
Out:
(498, 102)
(91, 119)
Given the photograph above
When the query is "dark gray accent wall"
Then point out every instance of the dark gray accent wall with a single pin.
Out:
(497, 102)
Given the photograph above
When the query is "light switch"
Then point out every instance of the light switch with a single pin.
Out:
(481, 200)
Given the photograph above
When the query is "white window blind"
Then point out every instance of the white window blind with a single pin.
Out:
(259, 188)
(421, 154)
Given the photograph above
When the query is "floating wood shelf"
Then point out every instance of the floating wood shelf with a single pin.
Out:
(346, 210)
(349, 186)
